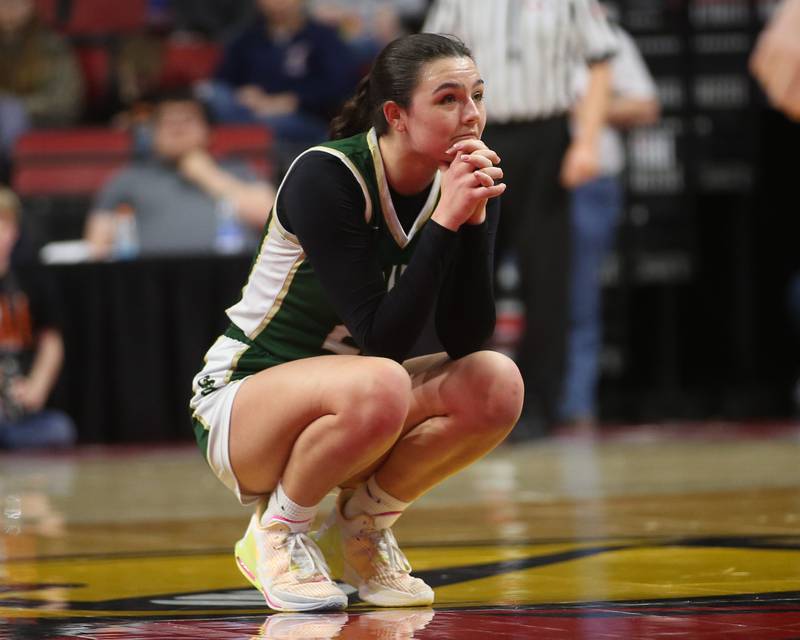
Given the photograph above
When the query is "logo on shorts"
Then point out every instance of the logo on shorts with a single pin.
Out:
(207, 385)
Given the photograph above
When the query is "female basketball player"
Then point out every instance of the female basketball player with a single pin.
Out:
(305, 392)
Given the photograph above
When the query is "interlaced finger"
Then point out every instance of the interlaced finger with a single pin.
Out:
(474, 145)
(476, 160)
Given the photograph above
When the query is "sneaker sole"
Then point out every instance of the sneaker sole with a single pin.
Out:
(245, 562)
(386, 598)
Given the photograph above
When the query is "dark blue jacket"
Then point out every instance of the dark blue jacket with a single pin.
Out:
(316, 64)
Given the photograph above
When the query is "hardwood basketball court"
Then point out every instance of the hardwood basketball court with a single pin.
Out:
(688, 530)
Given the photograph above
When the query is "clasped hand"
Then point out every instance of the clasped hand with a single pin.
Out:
(469, 180)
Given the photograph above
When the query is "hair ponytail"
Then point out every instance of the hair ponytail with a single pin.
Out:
(356, 114)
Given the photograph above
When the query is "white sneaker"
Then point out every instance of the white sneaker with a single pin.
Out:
(370, 560)
(287, 568)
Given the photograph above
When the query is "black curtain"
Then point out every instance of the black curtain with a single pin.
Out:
(135, 334)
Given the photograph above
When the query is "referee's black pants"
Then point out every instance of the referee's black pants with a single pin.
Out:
(535, 224)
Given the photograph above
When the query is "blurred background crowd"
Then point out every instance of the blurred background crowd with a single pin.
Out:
(141, 143)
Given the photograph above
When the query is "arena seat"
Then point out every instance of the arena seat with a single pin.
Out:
(68, 179)
(239, 139)
(58, 172)
(185, 63)
(48, 12)
(101, 18)
(78, 160)
(47, 146)
(95, 63)
(249, 143)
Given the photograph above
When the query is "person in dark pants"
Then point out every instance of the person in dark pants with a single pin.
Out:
(527, 52)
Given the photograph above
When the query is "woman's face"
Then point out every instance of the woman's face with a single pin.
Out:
(446, 106)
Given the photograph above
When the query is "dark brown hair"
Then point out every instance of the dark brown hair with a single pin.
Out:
(181, 95)
(394, 76)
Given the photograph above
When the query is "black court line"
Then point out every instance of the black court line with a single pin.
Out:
(434, 577)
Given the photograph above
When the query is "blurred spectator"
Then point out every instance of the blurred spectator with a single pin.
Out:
(596, 209)
(31, 349)
(285, 70)
(182, 201)
(148, 64)
(137, 71)
(40, 81)
(368, 25)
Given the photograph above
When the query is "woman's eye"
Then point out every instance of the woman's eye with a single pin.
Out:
(448, 98)
(478, 97)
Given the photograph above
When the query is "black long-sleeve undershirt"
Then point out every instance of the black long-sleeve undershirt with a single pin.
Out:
(323, 205)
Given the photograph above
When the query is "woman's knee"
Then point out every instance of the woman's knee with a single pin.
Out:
(492, 389)
(377, 400)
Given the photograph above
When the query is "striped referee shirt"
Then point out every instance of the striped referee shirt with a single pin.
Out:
(527, 50)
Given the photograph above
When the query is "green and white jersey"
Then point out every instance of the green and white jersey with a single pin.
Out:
(283, 313)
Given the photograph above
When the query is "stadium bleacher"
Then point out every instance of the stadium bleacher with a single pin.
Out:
(57, 172)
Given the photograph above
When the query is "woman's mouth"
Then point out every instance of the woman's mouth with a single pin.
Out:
(465, 136)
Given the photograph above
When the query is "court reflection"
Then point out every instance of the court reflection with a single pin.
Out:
(387, 624)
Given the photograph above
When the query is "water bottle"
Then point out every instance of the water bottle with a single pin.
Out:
(126, 237)
(230, 237)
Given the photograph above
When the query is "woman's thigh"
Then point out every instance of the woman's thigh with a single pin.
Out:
(274, 406)
(483, 385)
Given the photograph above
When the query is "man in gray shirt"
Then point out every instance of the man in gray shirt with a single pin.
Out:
(181, 196)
